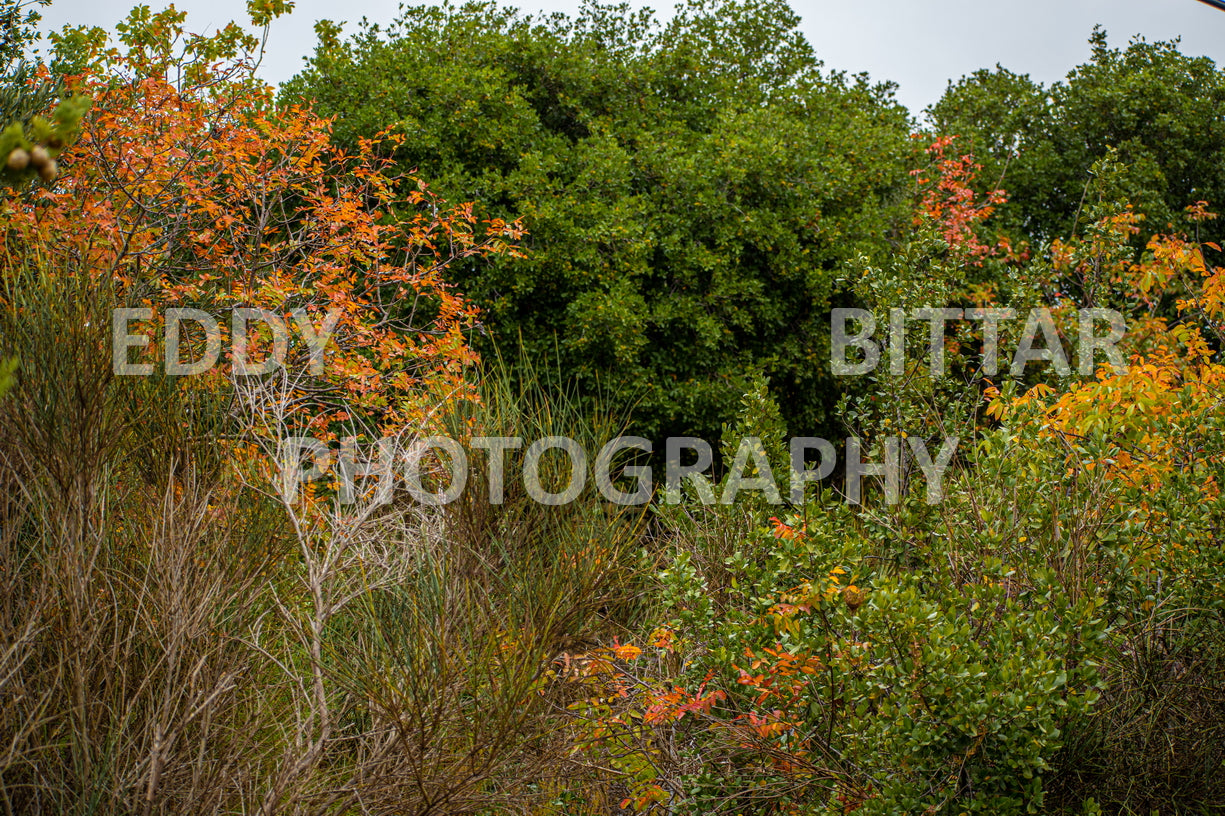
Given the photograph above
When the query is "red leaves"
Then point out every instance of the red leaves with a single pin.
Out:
(784, 530)
(672, 705)
(952, 203)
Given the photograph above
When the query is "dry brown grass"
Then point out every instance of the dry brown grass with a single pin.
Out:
(177, 638)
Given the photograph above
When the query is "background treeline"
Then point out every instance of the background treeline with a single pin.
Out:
(642, 229)
(692, 189)
(695, 191)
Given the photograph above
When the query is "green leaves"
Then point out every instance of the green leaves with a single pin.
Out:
(30, 150)
(1157, 106)
(263, 12)
(689, 189)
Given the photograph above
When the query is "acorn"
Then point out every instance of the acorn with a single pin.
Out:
(39, 157)
(18, 160)
(55, 141)
(854, 597)
(49, 171)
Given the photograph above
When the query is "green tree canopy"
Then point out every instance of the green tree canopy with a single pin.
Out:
(29, 142)
(1162, 110)
(691, 189)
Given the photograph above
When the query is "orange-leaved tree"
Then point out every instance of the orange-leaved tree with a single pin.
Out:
(189, 188)
(1156, 423)
(198, 612)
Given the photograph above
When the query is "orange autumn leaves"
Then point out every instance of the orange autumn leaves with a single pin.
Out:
(949, 200)
(1154, 416)
(201, 193)
(1151, 419)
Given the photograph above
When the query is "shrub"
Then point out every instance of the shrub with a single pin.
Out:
(691, 189)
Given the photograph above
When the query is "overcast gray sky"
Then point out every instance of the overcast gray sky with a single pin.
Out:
(920, 44)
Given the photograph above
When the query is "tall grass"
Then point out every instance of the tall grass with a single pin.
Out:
(177, 637)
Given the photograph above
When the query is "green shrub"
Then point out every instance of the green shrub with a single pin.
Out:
(690, 190)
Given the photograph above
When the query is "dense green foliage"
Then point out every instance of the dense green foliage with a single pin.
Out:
(690, 190)
(1006, 652)
(1045, 638)
(186, 629)
(1160, 109)
(29, 142)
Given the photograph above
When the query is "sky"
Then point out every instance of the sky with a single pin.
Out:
(919, 44)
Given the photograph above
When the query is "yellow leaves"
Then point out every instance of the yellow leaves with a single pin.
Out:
(1038, 392)
(662, 638)
(1169, 258)
(996, 407)
(1212, 295)
(1140, 426)
(853, 597)
(1034, 397)
(1144, 415)
(626, 651)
